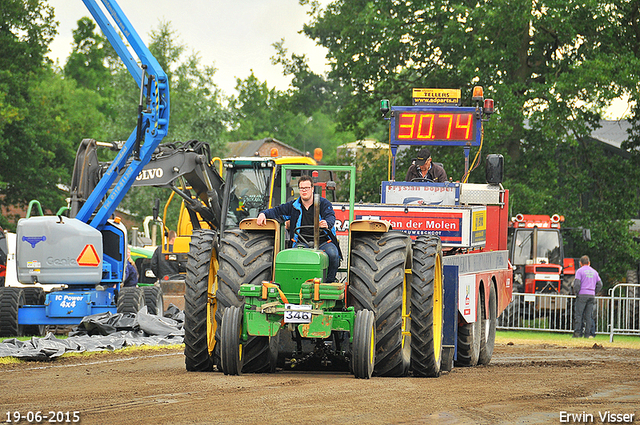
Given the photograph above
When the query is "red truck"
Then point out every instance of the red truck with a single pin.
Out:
(540, 267)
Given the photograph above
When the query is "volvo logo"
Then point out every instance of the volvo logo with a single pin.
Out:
(154, 173)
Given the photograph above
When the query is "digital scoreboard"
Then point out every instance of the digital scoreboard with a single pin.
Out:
(435, 125)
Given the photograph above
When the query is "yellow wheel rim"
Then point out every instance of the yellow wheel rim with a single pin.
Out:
(406, 302)
(438, 302)
(372, 345)
(212, 305)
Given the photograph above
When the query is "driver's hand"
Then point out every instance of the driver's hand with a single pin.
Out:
(323, 224)
(287, 224)
(261, 220)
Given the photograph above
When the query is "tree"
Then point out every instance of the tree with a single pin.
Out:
(40, 113)
(87, 63)
(552, 68)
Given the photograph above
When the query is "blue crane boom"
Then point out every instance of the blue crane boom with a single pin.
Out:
(153, 120)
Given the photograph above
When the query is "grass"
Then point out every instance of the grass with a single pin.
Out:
(565, 339)
(502, 337)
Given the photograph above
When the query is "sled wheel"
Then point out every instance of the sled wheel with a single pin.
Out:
(489, 322)
(469, 335)
(447, 359)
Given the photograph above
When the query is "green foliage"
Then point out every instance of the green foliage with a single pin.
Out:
(263, 112)
(42, 115)
(87, 62)
(552, 68)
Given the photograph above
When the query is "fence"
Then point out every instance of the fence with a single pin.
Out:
(618, 313)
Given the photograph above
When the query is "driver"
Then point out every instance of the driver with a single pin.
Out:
(424, 168)
(300, 212)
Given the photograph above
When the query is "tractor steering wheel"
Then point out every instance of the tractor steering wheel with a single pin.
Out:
(297, 231)
(421, 179)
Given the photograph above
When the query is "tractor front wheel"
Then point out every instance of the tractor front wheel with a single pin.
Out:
(230, 343)
(364, 344)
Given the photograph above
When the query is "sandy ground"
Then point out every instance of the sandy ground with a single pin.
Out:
(525, 383)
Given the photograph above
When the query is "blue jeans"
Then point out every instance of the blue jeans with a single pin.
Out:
(334, 258)
(584, 312)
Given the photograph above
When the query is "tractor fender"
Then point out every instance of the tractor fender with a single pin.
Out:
(372, 226)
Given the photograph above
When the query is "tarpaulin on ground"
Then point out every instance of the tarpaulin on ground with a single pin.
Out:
(104, 331)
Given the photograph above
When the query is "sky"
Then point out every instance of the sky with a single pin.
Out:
(234, 36)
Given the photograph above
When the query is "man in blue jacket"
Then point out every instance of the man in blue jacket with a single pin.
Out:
(300, 213)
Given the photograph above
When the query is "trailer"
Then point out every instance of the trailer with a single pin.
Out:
(470, 220)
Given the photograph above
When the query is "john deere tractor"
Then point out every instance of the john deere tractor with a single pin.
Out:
(274, 308)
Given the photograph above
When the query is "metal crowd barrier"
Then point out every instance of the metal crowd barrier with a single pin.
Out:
(624, 317)
(618, 313)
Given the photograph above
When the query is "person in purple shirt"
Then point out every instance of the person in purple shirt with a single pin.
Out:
(586, 285)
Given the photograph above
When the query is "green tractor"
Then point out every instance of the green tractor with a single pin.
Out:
(384, 318)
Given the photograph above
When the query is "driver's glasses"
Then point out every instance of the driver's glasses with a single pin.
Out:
(304, 188)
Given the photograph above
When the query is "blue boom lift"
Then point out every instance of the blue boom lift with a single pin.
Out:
(86, 254)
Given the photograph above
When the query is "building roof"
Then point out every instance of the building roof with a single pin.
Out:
(250, 147)
(365, 144)
(612, 132)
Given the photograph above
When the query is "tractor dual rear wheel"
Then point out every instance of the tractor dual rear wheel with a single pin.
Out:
(198, 317)
(378, 282)
(246, 257)
(427, 301)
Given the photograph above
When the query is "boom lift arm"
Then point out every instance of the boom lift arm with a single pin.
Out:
(153, 116)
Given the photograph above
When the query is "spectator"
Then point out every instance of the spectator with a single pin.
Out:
(160, 265)
(130, 272)
(586, 285)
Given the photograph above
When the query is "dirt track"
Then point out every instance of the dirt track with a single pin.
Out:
(523, 384)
